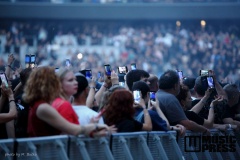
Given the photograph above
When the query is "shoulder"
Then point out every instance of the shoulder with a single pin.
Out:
(44, 108)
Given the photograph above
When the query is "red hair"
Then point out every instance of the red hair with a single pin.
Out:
(120, 107)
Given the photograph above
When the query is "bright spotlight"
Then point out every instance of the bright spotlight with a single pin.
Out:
(79, 56)
(203, 23)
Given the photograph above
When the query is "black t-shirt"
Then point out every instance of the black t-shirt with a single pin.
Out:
(221, 111)
(194, 117)
(129, 125)
(204, 111)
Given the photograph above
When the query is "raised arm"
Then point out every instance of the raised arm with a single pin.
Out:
(147, 125)
(9, 63)
(218, 87)
(107, 84)
(91, 94)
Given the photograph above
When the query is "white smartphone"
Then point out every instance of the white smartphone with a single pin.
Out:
(4, 79)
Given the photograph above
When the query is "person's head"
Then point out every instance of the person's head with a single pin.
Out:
(120, 106)
(83, 88)
(189, 82)
(184, 97)
(136, 75)
(199, 88)
(169, 81)
(153, 80)
(143, 87)
(107, 94)
(68, 81)
(24, 75)
(42, 84)
(232, 93)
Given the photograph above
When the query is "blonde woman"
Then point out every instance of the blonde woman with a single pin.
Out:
(69, 86)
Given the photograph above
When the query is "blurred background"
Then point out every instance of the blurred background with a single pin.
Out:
(157, 35)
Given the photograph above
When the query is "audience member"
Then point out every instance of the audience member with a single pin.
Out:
(169, 87)
(120, 112)
(85, 114)
(136, 75)
(69, 87)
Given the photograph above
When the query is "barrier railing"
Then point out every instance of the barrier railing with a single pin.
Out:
(137, 145)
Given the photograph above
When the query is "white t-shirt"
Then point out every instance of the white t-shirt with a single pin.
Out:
(85, 114)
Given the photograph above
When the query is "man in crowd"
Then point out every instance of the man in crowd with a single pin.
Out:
(85, 114)
(169, 87)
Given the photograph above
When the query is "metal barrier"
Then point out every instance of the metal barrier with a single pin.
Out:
(136, 145)
(163, 145)
(6, 149)
(47, 148)
(130, 146)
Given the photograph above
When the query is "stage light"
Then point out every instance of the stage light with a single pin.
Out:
(80, 56)
(203, 23)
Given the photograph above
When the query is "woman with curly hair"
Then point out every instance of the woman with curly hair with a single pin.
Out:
(120, 112)
(42, 87)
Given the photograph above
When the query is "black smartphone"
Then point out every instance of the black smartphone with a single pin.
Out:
(88, 73)
(203, 73)
(152, 96)
(67, 62)
(210, 82)
(27, 61)
(133, 66)
(4, 79)
(180, 74)
(108, 69)
(122, 70)
(33, 59)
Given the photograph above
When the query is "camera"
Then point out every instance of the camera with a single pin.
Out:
(122, 70)
(108, 69)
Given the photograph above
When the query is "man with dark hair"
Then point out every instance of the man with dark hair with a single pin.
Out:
(85, 114)
(169, 88)
(153, 80)
(200, 88)
(136, 75)
(158, 124)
